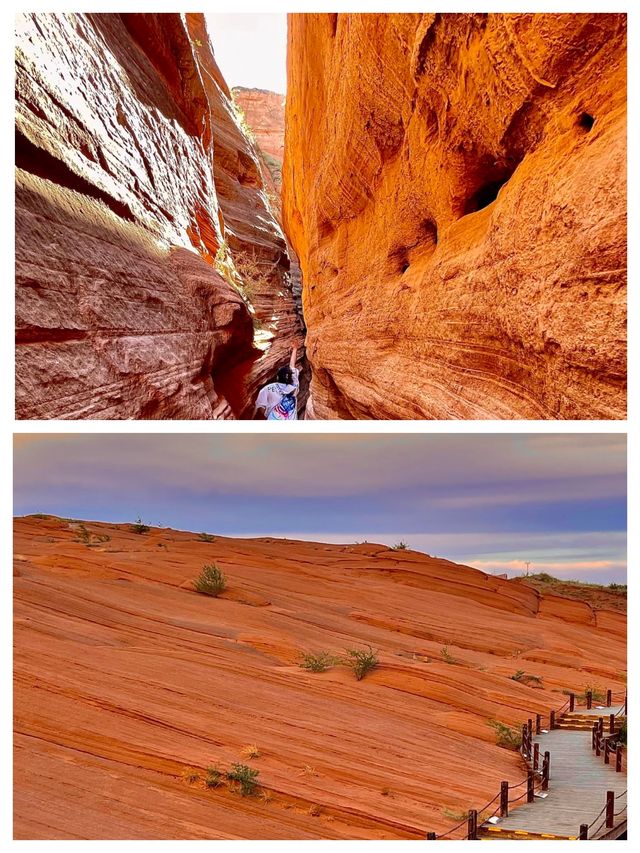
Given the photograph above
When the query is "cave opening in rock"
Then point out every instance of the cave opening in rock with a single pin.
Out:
(586, 122)
(484, 195)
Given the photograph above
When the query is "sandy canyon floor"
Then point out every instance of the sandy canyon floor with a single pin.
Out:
(127, 683)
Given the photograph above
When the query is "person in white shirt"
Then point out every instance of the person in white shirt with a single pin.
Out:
(279, 400)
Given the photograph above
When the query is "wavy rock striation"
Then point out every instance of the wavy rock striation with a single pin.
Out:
(127, 683)
(136, 187)
(454, 185)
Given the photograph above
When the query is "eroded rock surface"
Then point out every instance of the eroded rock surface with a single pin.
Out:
(454, 186)
(136, 187)
(127, 683)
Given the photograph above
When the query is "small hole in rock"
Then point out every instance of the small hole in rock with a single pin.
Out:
(586, 121)
(405, 266)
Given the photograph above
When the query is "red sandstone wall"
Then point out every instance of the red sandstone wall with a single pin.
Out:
(132, 174)
(425, 296)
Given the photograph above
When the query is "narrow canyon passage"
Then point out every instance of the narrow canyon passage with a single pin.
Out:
(153, 276)
(447, 207)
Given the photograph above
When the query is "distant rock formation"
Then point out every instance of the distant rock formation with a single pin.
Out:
(454, 186)
(264, 113)
(136, 189)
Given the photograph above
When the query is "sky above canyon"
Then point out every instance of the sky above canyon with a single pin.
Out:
(490, 501)
(251, 49)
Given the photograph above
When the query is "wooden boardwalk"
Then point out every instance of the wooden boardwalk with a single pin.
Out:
(577, 788)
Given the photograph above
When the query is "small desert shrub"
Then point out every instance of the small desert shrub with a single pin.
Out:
(83, 535)
(246, 777)
(454, 815)
(40, 515)
(250, 751)
(506, 737)
(399, 546)
(317, 662)
(90, 539)
(361, 661)
(622, 734)
(211, 581)
(206, 537)
(597, 693)
(266, 797)
(190, 775)
(526, 678)
(446, 657)
(139, 526)
(213, 779)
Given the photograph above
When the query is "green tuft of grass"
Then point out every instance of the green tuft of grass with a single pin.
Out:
(213, 779)
(361, 661)
(400, 546)
(317, 661)
(211, 581)
(246, 777)
(446, 657)
(506, 736)
(206, 537)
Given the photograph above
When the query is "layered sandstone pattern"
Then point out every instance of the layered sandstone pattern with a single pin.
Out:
(136, 187)
(454, 186)
(127, 683)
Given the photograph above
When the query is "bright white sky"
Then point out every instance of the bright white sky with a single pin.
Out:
(251, 49)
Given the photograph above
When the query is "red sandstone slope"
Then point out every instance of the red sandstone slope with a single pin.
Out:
(125, 679)
(135, 187)
(454, 186)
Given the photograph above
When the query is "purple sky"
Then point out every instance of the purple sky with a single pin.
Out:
(491, 501)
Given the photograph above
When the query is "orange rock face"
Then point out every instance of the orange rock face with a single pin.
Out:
(128, 684)
(264, 112)
(136, 187)
(454, 186)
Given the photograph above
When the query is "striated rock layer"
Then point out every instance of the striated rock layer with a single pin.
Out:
(454, 186)
(136, 188)
(128, 684)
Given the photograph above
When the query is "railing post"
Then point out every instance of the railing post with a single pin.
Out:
(597, 741)
(552, 719)
(530, 786)
(529, 728)
(504, 799)
(601, 725)
(619, 759)
(431, 836)
(525, 748)
(594, 735)
(584, 832)
(610, 804)
(536, 755)
(546, 768)
(538, 723)
(612, 724)
(472, 825)
(589, 697)
(608, 698)
(572, 702)
(606, 751)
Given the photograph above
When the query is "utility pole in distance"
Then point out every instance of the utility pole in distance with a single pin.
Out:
(527, 564)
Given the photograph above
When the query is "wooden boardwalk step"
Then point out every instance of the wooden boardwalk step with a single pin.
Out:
(579, 781)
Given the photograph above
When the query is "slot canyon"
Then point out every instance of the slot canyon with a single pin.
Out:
(436, 218)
